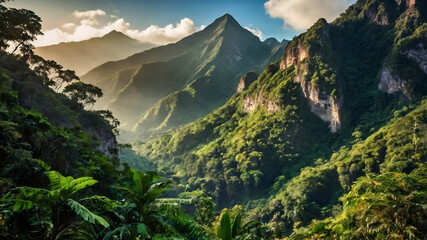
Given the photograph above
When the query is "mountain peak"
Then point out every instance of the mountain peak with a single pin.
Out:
(115, 34)
(227, 19)
(271, 41)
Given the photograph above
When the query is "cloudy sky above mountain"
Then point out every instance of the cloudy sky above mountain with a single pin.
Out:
(301, 14)
(96, 23)
(166, 21)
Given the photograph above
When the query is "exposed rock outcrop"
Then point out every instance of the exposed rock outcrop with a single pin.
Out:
(321, 103)
(109, 146)
(246, 80)
(293, 56)
(405, 4)
(390, 83)
(377, 12)
(418, 55)
(251, 103)
(373, 13)
(107, 139)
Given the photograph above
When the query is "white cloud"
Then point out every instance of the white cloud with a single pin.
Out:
(79, 33)
(69, 25)
(89, 27)
(301, 14)
(255, 31)
(164, 35)
(89, 17)
(89, 14)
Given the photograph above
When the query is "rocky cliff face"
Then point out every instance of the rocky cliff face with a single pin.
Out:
(373, 13)
(108, 141)
(321, 103)
(293, 56)
(378, 12)
(313, 53)
(405, 4)
(251, 103)
(246, 80)
(391, 83)
(418, 55)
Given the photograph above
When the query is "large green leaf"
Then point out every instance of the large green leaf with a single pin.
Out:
(86, 214)
(156, 189)
(20, 205)
(43, 164)
(236, 224)
(108, 204)
(67, 186)
(136, 179)
(142, 230)
(81, 183)
(224, 229)
(57, 181)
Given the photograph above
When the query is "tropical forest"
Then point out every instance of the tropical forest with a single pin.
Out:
(216, 120)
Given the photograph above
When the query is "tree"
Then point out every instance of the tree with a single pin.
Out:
(18, 27)
(114, 122)
(144, 214)
(83, 93)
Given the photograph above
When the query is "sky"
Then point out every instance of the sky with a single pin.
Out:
(167, 21)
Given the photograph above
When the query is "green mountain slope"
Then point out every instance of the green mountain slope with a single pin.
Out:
(168, 86)
(57, 108)
(85, 55)
(336, 85)
(384, 172)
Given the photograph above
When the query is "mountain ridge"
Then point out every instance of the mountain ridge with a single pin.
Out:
(179, 74)
(81, 56)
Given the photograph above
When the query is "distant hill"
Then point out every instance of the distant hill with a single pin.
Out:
(85, 55)
(166, 87)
